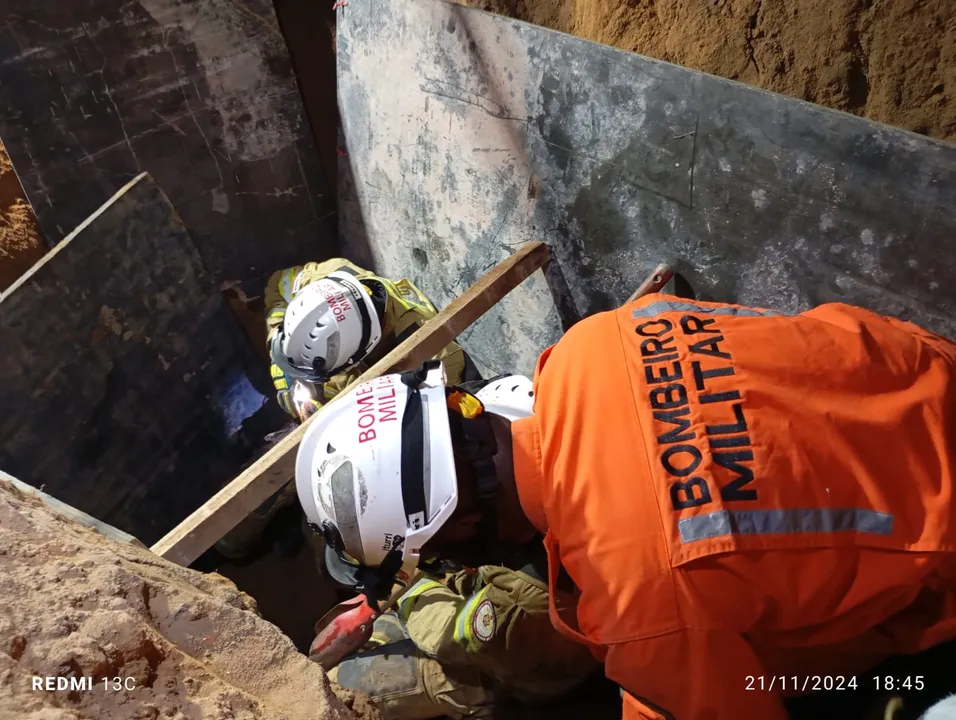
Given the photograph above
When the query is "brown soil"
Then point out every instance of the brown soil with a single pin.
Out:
(73, 603)
(20, 242)
(889, 60)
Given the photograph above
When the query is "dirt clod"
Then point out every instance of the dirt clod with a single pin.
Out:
(893, 61)
(157, 640)
(20, 242)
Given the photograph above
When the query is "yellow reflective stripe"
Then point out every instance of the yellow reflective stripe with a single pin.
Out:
(276, 371)
(285, 402)
(406, 306)
(407, 600)
(397, 295)
(393, 291)
(416, 297)
(280, 383)
(464, 634)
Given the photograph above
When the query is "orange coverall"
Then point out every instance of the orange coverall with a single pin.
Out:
(744, 500)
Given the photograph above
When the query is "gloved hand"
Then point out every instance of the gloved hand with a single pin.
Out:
(307, 409)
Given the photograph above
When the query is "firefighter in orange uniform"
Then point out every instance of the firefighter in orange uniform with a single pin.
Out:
(739, 502)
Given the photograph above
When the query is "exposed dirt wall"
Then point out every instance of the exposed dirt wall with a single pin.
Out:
(189, 646)
(20, 242)
(893, 61)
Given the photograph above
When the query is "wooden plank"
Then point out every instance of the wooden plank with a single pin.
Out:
(77, 516)
(244, 494)
(659, 277)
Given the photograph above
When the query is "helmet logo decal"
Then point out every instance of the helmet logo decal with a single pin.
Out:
(417, 520)
(392, 542)
(376, 403)
(483, 622)
(338, 303)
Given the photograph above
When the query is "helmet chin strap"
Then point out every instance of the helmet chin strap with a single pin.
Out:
(475, 441)
(366, 323)
(373, 582)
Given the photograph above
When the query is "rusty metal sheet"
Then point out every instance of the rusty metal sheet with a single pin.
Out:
(199, 94)
(468, 133)
(128, 389)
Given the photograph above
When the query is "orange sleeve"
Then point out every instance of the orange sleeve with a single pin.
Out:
(693, 674)
(542, 359)
(943, 345)
(834, 312)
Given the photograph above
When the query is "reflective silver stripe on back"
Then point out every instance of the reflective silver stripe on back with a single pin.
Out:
(346, 512)
(662, 306)
(772, 522)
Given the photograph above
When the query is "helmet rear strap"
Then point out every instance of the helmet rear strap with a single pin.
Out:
(359, 302)
(415, 446)
(475, 440)
(374, 582)
(414, 450)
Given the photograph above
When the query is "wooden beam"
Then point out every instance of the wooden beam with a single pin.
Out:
(77, 516)
(655, 282)
(229, 506)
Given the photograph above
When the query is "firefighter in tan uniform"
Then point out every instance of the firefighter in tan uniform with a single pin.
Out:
(373, 315)
(327, 323)
(455, 646)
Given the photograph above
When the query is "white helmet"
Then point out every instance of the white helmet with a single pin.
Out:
(330, 324)
(376, 471)
(511, 397)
